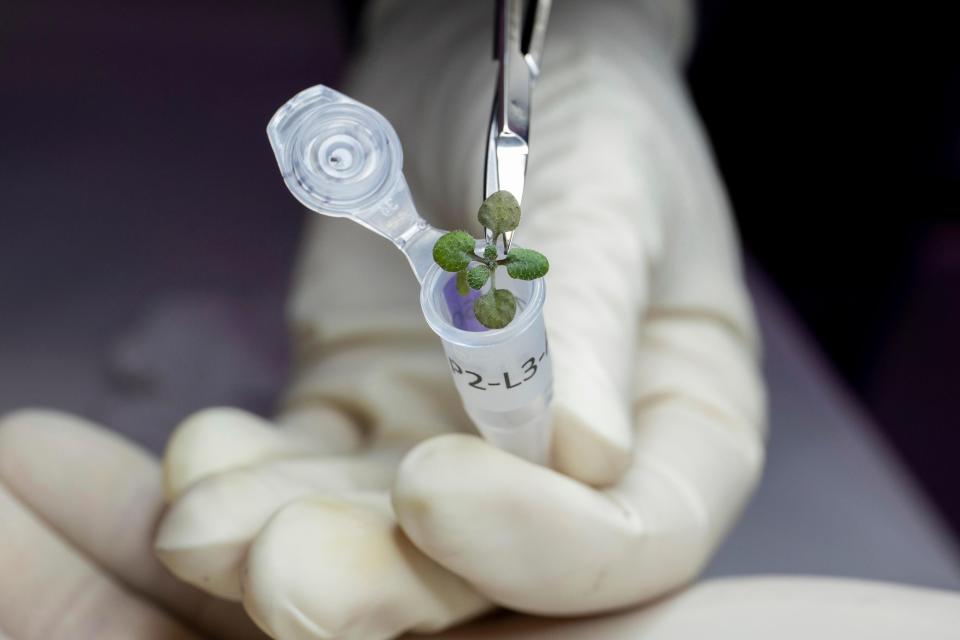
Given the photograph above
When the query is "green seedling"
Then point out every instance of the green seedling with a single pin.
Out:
(456, 252)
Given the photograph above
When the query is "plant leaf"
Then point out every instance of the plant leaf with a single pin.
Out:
(490, 252)
(495, 309)
(478, 276)
(500, 212)
(526, 264)
(462, 287)
(454, 250)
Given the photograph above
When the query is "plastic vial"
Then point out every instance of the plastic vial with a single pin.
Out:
(504, 376)
(341, 158)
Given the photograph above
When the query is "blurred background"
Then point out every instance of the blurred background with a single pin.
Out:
(838, 135)
(146, 239)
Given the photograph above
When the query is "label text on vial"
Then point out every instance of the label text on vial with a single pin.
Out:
(528, 370)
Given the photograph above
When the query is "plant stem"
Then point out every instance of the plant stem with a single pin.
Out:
(491, 264)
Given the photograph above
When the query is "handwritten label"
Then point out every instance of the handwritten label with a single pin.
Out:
(526, 372)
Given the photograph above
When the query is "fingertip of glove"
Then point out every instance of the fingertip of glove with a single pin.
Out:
(23, 425)
(341, 564)
(33, 441)
(428, 465)
(326, 567)
(440, 450)
(202, 538)
(212, 568)
(438, 477)
(18, 429)
(214, 440)
(30, 440)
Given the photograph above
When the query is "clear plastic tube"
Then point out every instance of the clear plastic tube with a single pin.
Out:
(341, 158)
(504, 376)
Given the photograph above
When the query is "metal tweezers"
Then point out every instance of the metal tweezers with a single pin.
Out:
(518, 47)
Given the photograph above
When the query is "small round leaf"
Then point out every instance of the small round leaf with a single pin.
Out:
(478, 276)
(454, 251)
(526, 264)
(495, 309)
(490, 252)
(500, 212)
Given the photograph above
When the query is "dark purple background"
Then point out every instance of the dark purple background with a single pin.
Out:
(837, 128)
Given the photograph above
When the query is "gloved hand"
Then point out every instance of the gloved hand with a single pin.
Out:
(658, 413)
(74, 546)
(78, 510)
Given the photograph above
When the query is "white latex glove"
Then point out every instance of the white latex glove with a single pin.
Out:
(78, 511)
(78, 507)
(659, 416)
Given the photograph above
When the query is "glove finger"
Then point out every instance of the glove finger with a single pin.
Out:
(43, 600)
(599, 216)
(220, 438)
(597, 219)
(700, 423)
(699, 418)
(508, 526)
(206, 531)
(340, 568)
(525, 536)
(70, 488)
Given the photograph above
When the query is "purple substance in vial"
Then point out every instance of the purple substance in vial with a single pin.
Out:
(461, 307)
